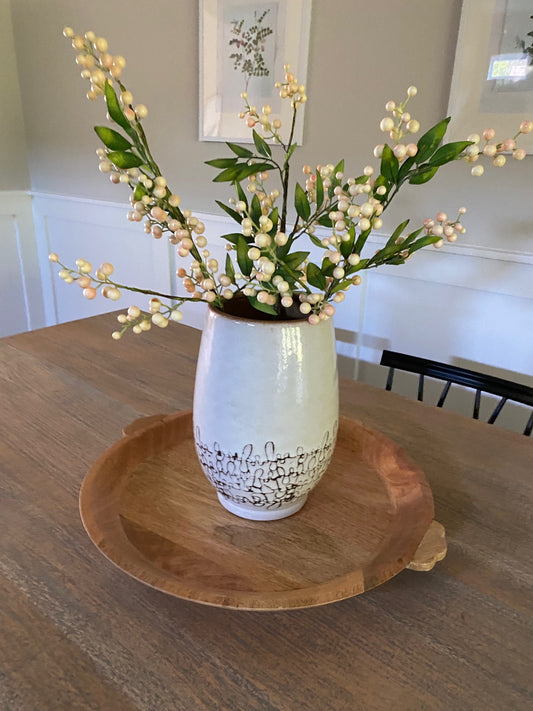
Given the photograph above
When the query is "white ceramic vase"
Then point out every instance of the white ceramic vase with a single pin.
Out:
(265, 410)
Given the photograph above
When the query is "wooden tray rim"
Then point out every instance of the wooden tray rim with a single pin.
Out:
(119, 546)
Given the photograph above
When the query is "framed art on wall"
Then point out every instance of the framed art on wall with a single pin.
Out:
(244, 45)
(492, 84)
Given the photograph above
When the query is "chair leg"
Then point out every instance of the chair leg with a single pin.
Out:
(529, 426)
(477, 402)
(444, 393)
(390, 377)
(497, 410)
(421, 388)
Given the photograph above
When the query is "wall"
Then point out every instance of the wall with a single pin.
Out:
(470, 303)
(14, 173)
(20, 284)
(379, 51)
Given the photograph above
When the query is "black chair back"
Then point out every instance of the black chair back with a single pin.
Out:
(504, 389)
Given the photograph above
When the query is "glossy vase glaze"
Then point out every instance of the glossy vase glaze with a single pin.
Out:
(265, 411)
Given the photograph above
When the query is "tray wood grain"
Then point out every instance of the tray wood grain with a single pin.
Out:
(148, 507)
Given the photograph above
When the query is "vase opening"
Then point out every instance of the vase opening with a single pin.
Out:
(241, 308)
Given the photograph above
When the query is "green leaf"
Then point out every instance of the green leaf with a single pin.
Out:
(262, 146)
(379, 181)
(228, 210)
(233, 237)
(382, 255)
(229, 270)
(449, 152)
(361, 240)
(239, 171)
(221, 162)
(411, 237)
(347, 247)
(289, 277)
(246, 170)
(274, 218)
(423, 175)
(112, 139)
(397, 232)
(316, 241)
(341, 286)
(315, 276)
(423, 242)
(124, 159)
(241, 194)
(389, 164)
(362, 264)
(255, 210)
(293, 260)
(327, 267)
(290, 152)
(429, 142)
(283, 251)
(404, 169)
(265, 308)
(325, 221)
(139, 191)
(319, 186)
(391, 248)
(244, 261)
(240, 150)
(115, 110)
(228, 175)
(339, 168)
(301, 202)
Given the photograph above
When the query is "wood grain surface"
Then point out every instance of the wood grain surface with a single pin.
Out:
(148, 506)
(77, 634)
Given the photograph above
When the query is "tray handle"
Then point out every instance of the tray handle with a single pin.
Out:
(432, 548)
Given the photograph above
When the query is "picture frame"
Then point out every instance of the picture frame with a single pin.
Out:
(492, 83)
(244, 45)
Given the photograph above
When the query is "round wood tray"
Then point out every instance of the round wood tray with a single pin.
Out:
(148, 507)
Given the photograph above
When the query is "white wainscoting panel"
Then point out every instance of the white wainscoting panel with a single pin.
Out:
(21, 297)
(462, 307)
(462, 304)
(98, 232)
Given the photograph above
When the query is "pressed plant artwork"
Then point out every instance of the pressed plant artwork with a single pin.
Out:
(247, 46)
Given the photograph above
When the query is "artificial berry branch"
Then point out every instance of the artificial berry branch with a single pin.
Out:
(334, 213)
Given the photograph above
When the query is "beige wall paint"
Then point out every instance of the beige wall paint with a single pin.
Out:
(361, 55)
(14, 174)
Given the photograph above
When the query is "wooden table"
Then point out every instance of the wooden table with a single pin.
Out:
(77, 633)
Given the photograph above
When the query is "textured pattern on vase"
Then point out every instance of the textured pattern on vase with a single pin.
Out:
(264, 479)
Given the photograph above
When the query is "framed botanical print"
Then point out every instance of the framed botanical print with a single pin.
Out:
(244, 46)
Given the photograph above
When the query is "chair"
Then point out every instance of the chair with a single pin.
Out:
(504, 389)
